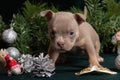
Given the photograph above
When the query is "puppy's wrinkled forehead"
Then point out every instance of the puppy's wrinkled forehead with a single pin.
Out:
(63, 21)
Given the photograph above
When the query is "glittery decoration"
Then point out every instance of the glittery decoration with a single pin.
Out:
(40, 66)
(97, 69)
(9, 35)
(13, 52)
(116, 41)
(27, 62)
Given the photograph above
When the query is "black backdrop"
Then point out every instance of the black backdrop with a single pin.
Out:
(10, 7)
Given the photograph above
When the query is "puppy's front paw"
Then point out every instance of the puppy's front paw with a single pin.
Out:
(94, 62)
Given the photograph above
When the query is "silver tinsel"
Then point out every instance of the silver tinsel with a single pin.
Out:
(13, 52)
(39, 66)
(9, 35)
(26, 62)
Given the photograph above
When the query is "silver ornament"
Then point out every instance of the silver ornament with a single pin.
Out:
(26, 62)
(44, 66)
(40, 66)
(117, 62)
(13, 52)
(9, 35)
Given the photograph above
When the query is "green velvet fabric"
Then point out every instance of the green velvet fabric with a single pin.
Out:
(66, 71)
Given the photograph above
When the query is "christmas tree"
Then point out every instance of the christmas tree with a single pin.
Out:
(31, 29)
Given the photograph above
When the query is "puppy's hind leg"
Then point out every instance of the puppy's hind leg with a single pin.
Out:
(97, 48)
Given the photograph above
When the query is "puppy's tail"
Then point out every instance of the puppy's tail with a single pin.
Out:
(85, 12)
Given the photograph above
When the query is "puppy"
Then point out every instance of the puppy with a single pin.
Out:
(68, 30)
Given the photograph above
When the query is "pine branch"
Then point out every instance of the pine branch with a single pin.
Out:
(23, 40)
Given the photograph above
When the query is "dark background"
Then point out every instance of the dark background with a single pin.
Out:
(10, 7)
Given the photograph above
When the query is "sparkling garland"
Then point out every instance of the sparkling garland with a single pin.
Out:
(40, 66)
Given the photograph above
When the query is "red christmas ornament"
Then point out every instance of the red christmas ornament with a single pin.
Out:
(12, 66)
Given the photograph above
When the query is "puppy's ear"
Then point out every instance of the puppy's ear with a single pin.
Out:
(48, 14)
(79, 18)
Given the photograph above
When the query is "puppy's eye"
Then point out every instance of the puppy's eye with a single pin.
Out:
(71, 33)
(52, 34)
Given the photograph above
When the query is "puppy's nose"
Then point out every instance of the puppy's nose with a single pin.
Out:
(60, 44)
